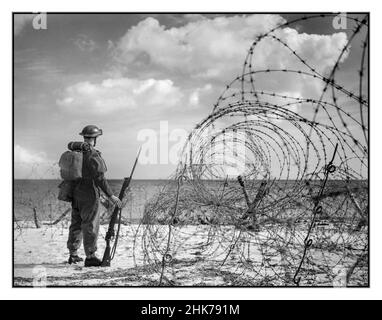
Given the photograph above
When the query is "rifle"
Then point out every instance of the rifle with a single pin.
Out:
(117, 214)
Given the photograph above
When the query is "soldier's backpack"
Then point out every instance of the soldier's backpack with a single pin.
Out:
(71, 165)
(71, 169)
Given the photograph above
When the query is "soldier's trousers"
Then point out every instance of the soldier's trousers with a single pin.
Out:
(85, 220)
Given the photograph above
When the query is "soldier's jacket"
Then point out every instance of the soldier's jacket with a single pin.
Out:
(85, 214)
(93, 174)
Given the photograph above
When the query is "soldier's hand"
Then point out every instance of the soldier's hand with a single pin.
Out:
(115, 200)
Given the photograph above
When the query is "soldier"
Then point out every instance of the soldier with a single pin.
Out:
(85, 216)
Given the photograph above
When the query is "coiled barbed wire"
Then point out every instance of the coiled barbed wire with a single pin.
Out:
(243, 201)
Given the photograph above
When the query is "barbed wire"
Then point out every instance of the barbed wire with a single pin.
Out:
(257, 231)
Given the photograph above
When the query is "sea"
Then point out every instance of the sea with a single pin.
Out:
(40, 196)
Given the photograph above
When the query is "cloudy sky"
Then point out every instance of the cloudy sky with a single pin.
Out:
(128, 72)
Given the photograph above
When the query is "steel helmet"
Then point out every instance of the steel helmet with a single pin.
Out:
(91, 131)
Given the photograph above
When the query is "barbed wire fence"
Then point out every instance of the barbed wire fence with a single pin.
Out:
(271, 188)
(35, 207)
(298, 212)
(36, 204)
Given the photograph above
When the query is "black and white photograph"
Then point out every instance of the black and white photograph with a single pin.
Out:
(191, 149)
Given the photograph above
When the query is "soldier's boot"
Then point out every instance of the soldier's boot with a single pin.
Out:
(73, 259)
(92, 261)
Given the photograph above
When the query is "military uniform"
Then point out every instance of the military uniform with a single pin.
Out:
(85, 214)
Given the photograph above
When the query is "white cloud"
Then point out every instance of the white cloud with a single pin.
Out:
(196, 60)
(118, 94)
(33, 165)
(20, 21)
(196, 95)
(320, 51)
(22, 155)
(205, 47)
(216, 48)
